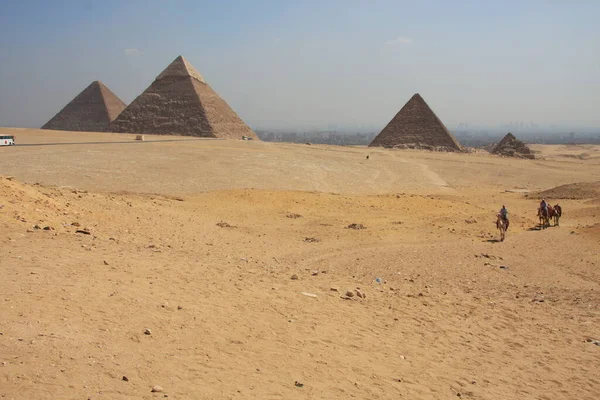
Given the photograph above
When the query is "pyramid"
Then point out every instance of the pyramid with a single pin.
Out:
(92, 110)
(180, 102)
(416, 126)
(510, 146)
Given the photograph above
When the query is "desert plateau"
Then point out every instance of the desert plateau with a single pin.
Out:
(218, 269)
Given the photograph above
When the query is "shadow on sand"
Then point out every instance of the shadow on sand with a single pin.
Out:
(540, 228)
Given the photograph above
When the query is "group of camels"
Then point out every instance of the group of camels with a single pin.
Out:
(552, 213)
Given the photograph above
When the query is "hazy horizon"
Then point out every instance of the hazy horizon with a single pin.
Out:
(315, 64)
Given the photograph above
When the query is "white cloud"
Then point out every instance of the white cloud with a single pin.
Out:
(133, 52)
(399, 41)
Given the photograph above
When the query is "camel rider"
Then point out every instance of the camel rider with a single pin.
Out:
(544, 207)
(504, 215)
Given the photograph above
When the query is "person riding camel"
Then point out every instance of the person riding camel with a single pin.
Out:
(504, 215)
(544, 207)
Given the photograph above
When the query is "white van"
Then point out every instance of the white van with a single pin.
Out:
(7, 140)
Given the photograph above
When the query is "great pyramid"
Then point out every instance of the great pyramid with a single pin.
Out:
(510, 146)
(180, 102)
(92, 110)
(416, 126)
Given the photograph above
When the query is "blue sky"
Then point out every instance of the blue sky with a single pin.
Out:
(314, 63)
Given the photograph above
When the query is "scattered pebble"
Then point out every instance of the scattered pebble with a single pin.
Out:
(157, 389)
(298, 384)
(308, 294)
(294, 277)
(356, 226)
(147, 331)
(311, 240)
(126, 379)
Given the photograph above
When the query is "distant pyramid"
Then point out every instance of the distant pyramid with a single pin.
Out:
(416, 126)
(510, 146)
(180, 102)
(92, 110)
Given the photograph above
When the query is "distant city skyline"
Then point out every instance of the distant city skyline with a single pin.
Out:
(315, 64)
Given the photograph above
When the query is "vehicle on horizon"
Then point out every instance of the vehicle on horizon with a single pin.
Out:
(7, 140)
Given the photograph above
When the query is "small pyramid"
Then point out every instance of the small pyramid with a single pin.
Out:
(92, 110)
(180, 102)
(510, 146)
(416, 126)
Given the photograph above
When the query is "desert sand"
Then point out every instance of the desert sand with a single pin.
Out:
(219, 269)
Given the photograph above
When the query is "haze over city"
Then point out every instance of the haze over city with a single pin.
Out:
(315, 64)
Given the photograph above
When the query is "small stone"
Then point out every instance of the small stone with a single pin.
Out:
(180, 307)
(334, 289)
(48, 228)
(147, 331)
(126, 379)
(314, 272)
(402, 358)
(157, 389)
(360, 294)
(298, 384)
(294, 277)
(349, 293)
(37, 227)
(106, 262)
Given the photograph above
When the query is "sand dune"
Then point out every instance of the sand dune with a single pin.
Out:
(198, 241)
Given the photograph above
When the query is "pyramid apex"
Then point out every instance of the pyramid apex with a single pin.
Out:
(178, 68)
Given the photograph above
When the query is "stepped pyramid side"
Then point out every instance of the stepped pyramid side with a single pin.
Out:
(180, 102)
(416, 126)
(91, 110)
(510, 146)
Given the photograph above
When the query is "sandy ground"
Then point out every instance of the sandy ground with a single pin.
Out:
(198, 241)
